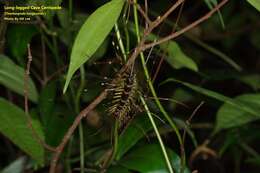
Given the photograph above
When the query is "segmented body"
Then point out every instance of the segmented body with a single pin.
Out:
(124, 96)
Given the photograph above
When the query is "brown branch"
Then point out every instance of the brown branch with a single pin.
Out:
(76, 122)
(188, 125)
(144, 14)
(139, 48)
(26, 105)
(163, 56)
(160, 19)
(192, 25)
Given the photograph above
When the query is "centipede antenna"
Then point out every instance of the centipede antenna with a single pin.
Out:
(149, 55)
(156, 116)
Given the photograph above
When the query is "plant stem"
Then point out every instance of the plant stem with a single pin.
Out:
(119, 39)
(77, 105)
(158, 103)
(168, 162)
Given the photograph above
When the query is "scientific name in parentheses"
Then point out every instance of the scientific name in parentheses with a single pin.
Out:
(22, 8)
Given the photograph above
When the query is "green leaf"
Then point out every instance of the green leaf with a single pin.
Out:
(216, 96)
(149, 159)
(133, 134)
(18, 37)
(92, 34)
(12, 77)
(255, 3)
(177, 58)
(241, 106)
(14, 125)
(180, 96)
(230, 116)
(15, 167)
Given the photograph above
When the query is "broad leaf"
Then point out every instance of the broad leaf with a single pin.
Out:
(255, 3)
(149, 159)
(230, 116)
(12, 77)
(92, 34)
(14, 125)
(248, 106)
(239, 105)
(177, 58)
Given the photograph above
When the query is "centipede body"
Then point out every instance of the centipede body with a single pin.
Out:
(124, 94)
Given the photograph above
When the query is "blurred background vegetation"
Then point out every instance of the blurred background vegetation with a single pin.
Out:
(215, 65)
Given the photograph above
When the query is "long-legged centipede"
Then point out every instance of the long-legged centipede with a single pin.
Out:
(124, 95)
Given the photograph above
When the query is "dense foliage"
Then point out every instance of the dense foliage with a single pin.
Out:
(189, 104)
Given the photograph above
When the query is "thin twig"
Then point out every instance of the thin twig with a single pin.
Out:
(26, 104)
(188, 121)
(192, 25)
(144, 14)
(188, 126)
(173, 30)
(171, 100)
(160, 19)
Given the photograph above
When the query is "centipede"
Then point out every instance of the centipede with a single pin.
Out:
(124, 97)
